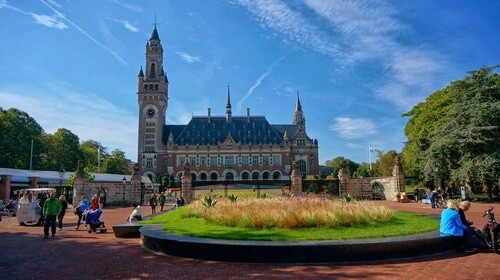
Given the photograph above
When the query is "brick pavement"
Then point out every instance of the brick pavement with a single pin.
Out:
(79, 255)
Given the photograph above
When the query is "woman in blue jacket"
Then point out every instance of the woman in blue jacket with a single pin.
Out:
(452, 225)
(83, 206)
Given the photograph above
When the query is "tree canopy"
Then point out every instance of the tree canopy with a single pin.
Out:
(457, 130)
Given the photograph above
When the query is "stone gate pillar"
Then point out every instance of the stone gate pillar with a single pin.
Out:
(135, 182)
(5, 187)
(78, 184)
(343, 179)
(399, 177)
(296, 178)
(186, 183)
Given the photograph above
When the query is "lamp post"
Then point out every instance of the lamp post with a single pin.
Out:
(61, 176)
(436, 170)
(124, 180)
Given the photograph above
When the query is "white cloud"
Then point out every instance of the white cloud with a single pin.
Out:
(188, 58)
(353, 128)
(87, 115)
(131, 7)
(130, 27)
(49, 21)
(127, 25)
(277, 16)
(358, 31)
(113, 53)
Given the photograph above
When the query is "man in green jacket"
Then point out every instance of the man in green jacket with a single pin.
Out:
(51, 208)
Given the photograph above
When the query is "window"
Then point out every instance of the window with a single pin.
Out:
(276, 160)
(149, 162)
(255, 160)
(245, 176)
(228, 160)
(265, 160)
(302, 166)
(181, 160)
(244, 160)
(213, 160)
(153, 71)
(203, 161)
(192, 161)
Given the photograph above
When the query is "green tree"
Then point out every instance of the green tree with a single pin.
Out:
(90, 150)
(17, 130)
(463, 139)
(386, 162)
(363, 170)
(63, 150)
(116, 163)
(336, 163)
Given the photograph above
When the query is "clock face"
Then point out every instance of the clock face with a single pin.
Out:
(150, 113)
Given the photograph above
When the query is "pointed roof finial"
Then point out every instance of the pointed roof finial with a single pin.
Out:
(298, 106)
(228, 96)
(154, 35)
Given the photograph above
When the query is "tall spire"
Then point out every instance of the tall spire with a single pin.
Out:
(298, 116)
(228, 105)
(154, 35)
(298, 107)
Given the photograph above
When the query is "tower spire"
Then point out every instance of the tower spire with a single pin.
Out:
(228, 105)
(298, 115)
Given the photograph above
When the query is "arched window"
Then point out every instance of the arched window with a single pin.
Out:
(276, 175)
(255, 175)
(229, 176)
(156, 87)
(213, 176)
(193, 176)
(245, 176)
(145, 87)
(265, 175)
(203, 176)
(151, 87)
(152, 73)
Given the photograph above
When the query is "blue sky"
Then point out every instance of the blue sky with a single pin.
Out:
(358, 65)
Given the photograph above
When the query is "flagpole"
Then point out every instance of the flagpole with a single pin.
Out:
(99, 159)
(31, 155)
(370, 153)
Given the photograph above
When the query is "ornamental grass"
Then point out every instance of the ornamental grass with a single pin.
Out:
(290, 212)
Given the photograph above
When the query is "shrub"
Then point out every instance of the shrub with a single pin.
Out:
(294, 212)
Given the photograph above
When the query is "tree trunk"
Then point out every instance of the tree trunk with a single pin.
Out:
(487, 190)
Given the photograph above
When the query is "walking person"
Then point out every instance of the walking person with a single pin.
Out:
(415, 193)
(64, 206)
(83, 206)
(94, 203)
(152, 203)
(162, 201)
(51, 208)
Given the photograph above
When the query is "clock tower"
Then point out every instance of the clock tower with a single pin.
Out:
(152, 96)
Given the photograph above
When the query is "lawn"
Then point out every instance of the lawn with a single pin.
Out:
(403, 223)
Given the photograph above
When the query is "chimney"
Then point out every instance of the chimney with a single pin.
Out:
(209, 114)
(248, 114)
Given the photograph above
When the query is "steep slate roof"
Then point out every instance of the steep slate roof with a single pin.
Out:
(244, 130)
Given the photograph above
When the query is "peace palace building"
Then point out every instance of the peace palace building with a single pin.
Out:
(225, 147)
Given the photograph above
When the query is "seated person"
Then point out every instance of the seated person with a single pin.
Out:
(464, 207)
(452, 225)
(136, 214)
(24, 199)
